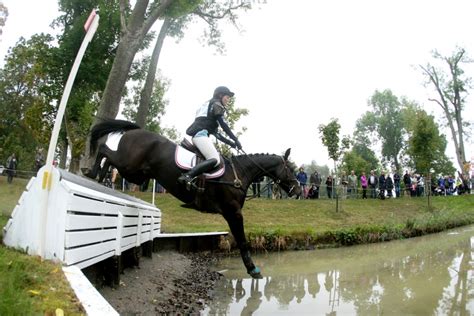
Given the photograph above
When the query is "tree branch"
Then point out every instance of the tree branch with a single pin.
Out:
(155, 14)
(123, 18)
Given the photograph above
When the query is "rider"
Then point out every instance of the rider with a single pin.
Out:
(208, 118)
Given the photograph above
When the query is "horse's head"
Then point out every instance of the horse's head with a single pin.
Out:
(285, 178)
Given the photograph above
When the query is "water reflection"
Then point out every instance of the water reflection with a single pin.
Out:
(421, 276)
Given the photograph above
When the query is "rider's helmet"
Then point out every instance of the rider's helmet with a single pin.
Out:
(221, 91)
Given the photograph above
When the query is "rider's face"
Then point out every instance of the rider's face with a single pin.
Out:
(225, 100)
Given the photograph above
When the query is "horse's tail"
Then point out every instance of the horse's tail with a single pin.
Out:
(107, 127)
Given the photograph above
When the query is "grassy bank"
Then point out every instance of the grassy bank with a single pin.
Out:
(31, 286)
(303, 224)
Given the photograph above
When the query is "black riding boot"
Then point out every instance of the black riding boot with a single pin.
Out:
(206, 165)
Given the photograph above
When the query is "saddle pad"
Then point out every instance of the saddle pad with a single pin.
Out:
(187, 160)
(113, 139)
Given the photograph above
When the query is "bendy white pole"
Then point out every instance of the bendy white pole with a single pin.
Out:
(91, 27)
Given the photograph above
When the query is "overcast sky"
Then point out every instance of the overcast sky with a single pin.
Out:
(297, 64)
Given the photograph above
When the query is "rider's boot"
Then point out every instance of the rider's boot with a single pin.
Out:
(205, 166)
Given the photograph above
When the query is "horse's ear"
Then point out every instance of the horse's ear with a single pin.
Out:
(287, 153)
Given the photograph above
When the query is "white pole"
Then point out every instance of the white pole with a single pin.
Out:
(91, 27)
(153, 194)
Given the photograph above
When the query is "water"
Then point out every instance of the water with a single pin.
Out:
(430, 275)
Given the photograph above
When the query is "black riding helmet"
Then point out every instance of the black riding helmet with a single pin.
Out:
(221, 91)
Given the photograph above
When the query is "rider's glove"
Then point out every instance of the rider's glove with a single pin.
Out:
(238, 145)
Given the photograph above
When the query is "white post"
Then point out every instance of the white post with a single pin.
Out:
(153, 194)
(91, 27)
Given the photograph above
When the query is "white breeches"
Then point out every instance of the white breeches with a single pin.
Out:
(205, 145)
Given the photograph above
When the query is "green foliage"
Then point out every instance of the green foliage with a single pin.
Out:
(95, 66)
(3, 16)
(26, 96)
(232, 116)
(158, 102)
(330, 138)
(353, 161)
(427, 146)
(384, 123)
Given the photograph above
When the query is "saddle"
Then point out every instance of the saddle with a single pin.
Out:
(187, 156)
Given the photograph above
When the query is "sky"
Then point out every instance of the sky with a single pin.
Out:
(297, 64)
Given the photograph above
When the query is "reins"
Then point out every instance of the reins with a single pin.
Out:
(237, 183)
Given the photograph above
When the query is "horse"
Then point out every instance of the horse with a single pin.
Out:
(141, 155)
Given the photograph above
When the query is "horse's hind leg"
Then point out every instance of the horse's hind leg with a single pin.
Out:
(236, 224)
(96, 168)
(103, 170)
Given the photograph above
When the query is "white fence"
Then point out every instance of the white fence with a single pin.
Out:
(85, 222)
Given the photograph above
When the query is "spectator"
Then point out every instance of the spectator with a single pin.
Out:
(302, 178)
(382, 185)
(352, 186)
(315, 182)
(373, 184)
(389, 186)
(472, 182)
(396, 181)
(39, 159)
(414, 183)
(420, 188)
(276, 191)
(407, 182)
(12, 163)
(256, 187)
(364, 184)
(344, 182)
(450, 185)
(329, 184)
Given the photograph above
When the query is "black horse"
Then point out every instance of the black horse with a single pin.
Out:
(143, 155)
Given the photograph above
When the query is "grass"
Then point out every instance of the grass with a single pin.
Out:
(29, 285)
(357, 221)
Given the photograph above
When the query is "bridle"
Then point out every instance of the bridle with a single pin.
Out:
(276, 179)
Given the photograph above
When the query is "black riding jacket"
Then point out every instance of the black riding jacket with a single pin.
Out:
(209, 116)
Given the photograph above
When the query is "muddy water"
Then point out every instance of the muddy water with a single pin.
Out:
(431, 275)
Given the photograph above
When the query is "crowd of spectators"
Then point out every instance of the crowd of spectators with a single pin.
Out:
(381, 185)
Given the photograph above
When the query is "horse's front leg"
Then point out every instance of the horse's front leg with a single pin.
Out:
(236, 224)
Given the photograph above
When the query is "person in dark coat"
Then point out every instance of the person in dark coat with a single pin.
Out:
(12, 163)
(389, 186)
(382, 185)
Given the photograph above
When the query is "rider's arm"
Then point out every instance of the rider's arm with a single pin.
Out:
(225, 140)
(225, 127)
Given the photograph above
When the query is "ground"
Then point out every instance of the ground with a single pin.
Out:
(170, 282)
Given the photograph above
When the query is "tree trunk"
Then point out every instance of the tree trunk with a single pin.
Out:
(147, 91)
(132, 37)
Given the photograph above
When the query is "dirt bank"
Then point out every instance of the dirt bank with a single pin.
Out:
(170, 282)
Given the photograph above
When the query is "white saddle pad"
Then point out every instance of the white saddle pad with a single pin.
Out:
(187, 160)
(113, 139)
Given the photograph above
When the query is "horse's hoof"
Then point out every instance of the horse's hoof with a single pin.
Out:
(255, 273)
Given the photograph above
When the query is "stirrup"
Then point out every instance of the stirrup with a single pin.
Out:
(187, 180)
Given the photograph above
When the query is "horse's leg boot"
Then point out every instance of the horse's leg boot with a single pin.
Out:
(205, 166)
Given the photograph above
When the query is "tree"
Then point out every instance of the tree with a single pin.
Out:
(157, 104)
(426, 146)
(210, 11)
(384, 123)
(26, 98)
(329, 135)
(353, 161)
(451, 90)
(135, 25)
(3, 16)
(93, 71)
